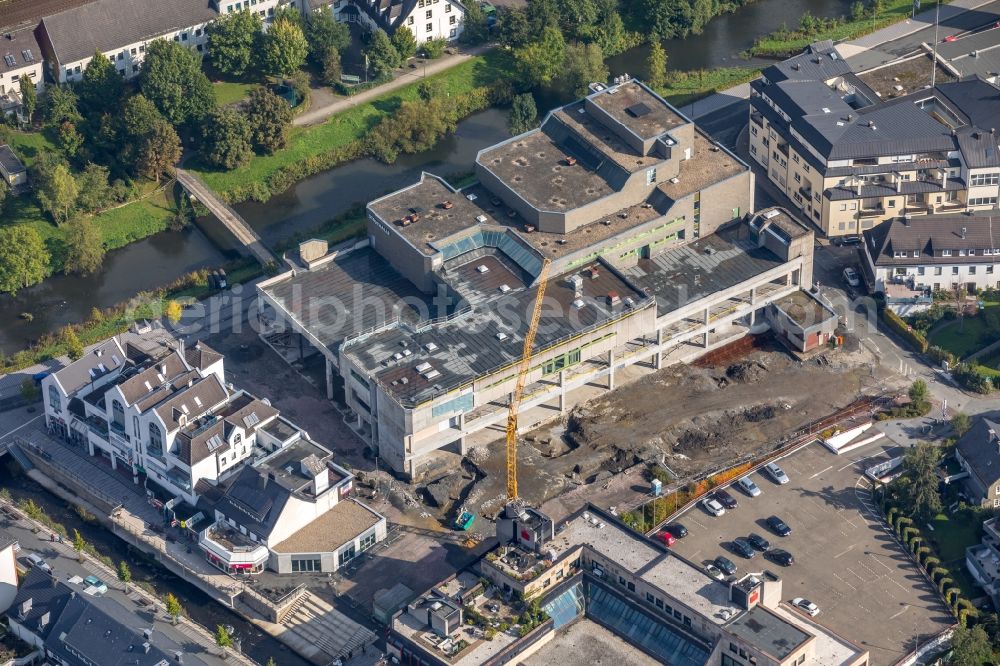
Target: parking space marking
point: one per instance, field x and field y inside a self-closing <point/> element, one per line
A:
<point x="841" y="579"/>
<point x="905" y="608"/>
<point x="820" y="472"/>
<point x="844" y="552"/>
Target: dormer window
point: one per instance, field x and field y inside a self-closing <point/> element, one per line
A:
<point x="945" y="253"/>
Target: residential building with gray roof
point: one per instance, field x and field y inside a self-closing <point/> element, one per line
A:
<point x="852" y="150"/>
<point x="643" y="221"/>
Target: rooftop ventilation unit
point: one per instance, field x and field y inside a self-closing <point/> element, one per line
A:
<point x="772" y="213"/>
<point x="423" y="367"/>
<point x="482" y="268"/>
<point x="504" y="289"/>
<point x="447" y="205"/>
<point x="578" y="303"/>
<point x="407" y="352"/>
<point x="431" y="347"/>
<point x="501" y="336"/>
<point x="481" y="219"/>
<point x="431" y="374"/>
<point x="675" y="180"/>
<point x="397" y="356"/>
<point x="638" y="110"/>
<point x="404" y="380"/>
<point x="471" y="196"/>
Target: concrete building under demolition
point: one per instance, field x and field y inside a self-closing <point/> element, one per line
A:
<point x="653" y="258"/>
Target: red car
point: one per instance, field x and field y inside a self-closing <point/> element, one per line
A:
<point x="667" y="538"/>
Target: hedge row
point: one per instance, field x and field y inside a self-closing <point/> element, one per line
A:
<point x="903" y="330"/>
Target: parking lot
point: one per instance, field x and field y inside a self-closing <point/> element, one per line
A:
<point x="867" y="588"/>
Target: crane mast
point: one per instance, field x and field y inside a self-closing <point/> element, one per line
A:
<point x="522" y="374"/>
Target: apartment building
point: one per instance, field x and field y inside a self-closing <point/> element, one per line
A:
<point x="426" y="19"/>
<point x="978" y="453"/>
<point x="258" y="491"/>
<point x="653" y="257"/>
<point x="851" y="157"/>
<point x="592" y="568"/>
<point x="910" y="258"/>
<point x="122" y="30"/>
<point x="20" y="55"/>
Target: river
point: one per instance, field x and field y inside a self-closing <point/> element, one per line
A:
<point x="162" y="258"/>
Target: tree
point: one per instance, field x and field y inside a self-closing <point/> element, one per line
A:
<point x="857" y="10"/>
<point x="231" y="41"/>
<point x="24" y="260"/>
<point x="428" y="89"/>
<point x="271" y="662"/>
<point x="173" y="310"/>
<point x="325" y="35"/>
<point x="970" y="647"/>
<point x="433" y="48"/>
<point x="405" y="43"/>
<point x="523" y="114"/>
<point x="70" y="140"/>
<point x="919" y="393"/>
<point x="174" y="608"/>
<point x="582" y="65"/>
<point x="29" y="391"/>
<point x="173" y="81"/>
<point x="29" y="97"/>
<point x="577" y="17"/>
<point x="539" y="62"/>
<point x="920" y="463"/>
<point x="223" y="639"/>
<point x="332" y="69"/>
<point x="284" y="48"/>
<point x="139" y="116"/>
<point x="4" y="191"/>
<point x="382" y="55"/>
<point x="664" y="19"/>
<point x="270" y="117"/>
<point x="159" y="151"/>
<point x="474" y="27"/>
<point x="79" y="544"/>
<point x="226" y="139"/>
<point x="609" y="31"/>
<point x="74" y="350"/>
<point x="124" y="574"/>
<point x="512" y="27"/>
<point x="56" y="191"/>
<point x="961" y="423"/>
<point x="102" y="87"/>
<point x="94" y="191"/>
<point x="542" y="14"/>
<point x="60" y="105"/>
<point x="656" y="65"/>
<point x="85" y="249"/>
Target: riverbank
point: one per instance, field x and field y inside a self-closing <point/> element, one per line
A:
<point x="683" y="88"/>
<point x="781" y="44"/>
<point x="340" y="139"/>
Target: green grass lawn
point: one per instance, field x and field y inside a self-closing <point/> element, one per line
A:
<point x="353" y="124"/>
<point x="953" y="534"/>
<point x="964" y="336"/>
<point x="27" y="145"/>
<point x="771" y="45"/>
<point x="230" y="92"/>
<point x="686" y="87"/>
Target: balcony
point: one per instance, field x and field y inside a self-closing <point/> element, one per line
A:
<point x="871" y="212"/>
<point x="231" y="550"/>
<point x="95" y="425"/>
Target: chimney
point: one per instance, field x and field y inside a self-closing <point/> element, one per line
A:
<point x="899" y="185"/>
<point x="964" y="231"/>
<point x="43" y="621"/>
<point x="24" y="608"/>
<point x="179" y="657"/>
<point x="145" y="647"/>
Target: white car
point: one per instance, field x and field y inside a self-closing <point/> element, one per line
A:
<point x="713" y="507"/>
<point x="776" y="473"/>
<point x="714" y="571"/>
<point x="806" y="606"/>
<point x="851" y="277"/>
<point x="747" y="485"/>
<point x="37" y="562"/>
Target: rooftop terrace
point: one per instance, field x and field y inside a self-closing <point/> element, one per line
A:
<point x="693" y="586"/>
<point x="284" y="466"/>
<point x="602" y="138"/>
<point x="613" y="540"/>
<point x="803" y="309"/>
<point x="768" y="632"/>
<point x="709" y="164"/>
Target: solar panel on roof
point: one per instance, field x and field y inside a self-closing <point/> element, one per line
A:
<point x="214" y="442"/>
<point x="251" y="419"/>
<point x="638" y="110"/>
<point x="9" y="59"/>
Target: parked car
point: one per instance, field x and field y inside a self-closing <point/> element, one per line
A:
<point x="713" y="507"/>
<point x="747" y="485"/>
<point x="847" y="241"/>
<point x="806" y="606"/>
<point x="714" y="572"/>
<point x="667" y="538"/>
<point x="35" y="561"/>
<point x="742" y="547"/>
<point x="95" y="582"/>
<point x="758" y="542"/>
<point x="677" y="530"/>
<point x="851" y="277"/>
<point x="778" y="526"/>
<point x="725" y="499"/>
<point x="776" y="473"/>
<point x="779" y="556"/>
<point x="725" y="565"/>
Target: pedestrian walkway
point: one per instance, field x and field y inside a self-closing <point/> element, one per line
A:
<point x="319" y="114"/>
<point x="327" y="628"/>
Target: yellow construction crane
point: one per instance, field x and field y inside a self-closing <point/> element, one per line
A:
<point x="522" y="374"/>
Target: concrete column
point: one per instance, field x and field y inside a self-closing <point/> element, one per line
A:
<point x="611" y="369"/>
<point x="114" y="460"/>
<point x="562" y="391"/>
<point x="708" y="315"/>
<point x="90" y="447"/>
<point x="705" y="341"/>
<point x="461" y="426"/>
<point x="329" y="378"/>
<point x="753" y="295"/>
<point x="658" y="356"/>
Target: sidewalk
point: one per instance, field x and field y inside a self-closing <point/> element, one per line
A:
<point x="318" y="115"/>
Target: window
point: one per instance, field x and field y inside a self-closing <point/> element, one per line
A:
<point x="945" y="253"/>
<point x="843" y="206"/>
<point x="55" y="400"/>
<point x="649" y="597"/>
<point x="920" y="270"/>
<point x="76" y="70"/>
<point x="631" y="586"/>
<point x="427" y="14"/>
<point x="916" y="254"/>
<point x="184" y="36"/>
<point x="979" y="179"/>
<point x="805" y="167"/>
<point x="972" y="270"/>
<point x="409" y="21"/>
<point x="155" y="440"/>
<point x="621" y="580"/>
<point x="954" y="270"/>
<point x="989" y="270"/>
<point x="447" y="8"/>
<point x="451" y="20"/>
<point x="983" y="201"/>
<point x="892" y="203"/>
<point x="429" y="27"/>
<point x="795" y="157"/>
<point x="132" y="52"/>
<point x="142" y="48"/>
<point x="798" y="178"/>
<point x="561" y="362"/>
<point x="346" y="555"/>
<point x="69" y="73"/>
<point x="962" y="253"/>
<point x="937" y="270"/>
<point x="659" y="603"/>
<point x="367" y="542"/>
<point x="306" y="565"/>
<point x="197" y="33"/>
<point x="118" y="414"/>
<point x="753" y="130"/>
